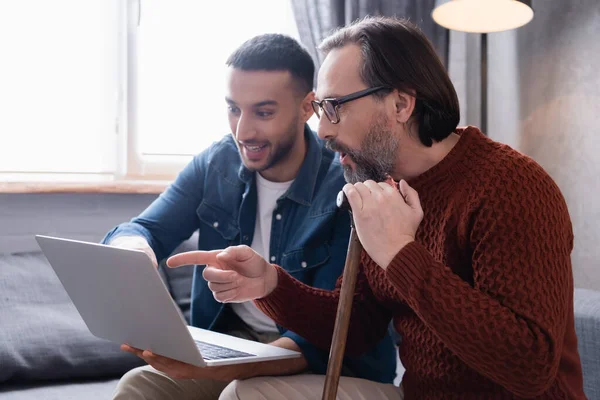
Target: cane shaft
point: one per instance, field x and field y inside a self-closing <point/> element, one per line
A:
<point x="342" y="319"/>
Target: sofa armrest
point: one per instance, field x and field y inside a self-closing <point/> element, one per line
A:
<point x="587" y="325"/>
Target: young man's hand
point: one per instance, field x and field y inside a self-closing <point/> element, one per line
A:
<point x="234" y="275"/>
<point x="180" y="370"/>
<point x="135" y="243"/>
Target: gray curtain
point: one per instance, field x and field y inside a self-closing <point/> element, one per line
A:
<point x="317" y="18"/>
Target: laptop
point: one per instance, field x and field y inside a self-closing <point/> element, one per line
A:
<point x="121" y="298"/>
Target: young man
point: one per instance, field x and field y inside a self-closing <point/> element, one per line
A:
<point x="470" y="257"/>
<point x="270" y="185"/>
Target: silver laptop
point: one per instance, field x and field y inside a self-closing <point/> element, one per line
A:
<point x="121" y="297"/>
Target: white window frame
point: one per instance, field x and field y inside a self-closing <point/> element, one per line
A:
<point x="18" y="176"/>
<point x="131" y="163"/>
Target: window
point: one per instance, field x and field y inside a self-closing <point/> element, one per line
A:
<point x="182" y="46"/>
<point x="58" y="80"/>
<point x="120" y="88"/>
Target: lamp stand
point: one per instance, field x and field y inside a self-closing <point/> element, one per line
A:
<point x="484" y="83"/>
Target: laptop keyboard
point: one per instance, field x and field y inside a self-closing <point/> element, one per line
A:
<point x="213" y="352"/>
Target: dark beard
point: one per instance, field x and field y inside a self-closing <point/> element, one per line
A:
<point x="284" y="148"/>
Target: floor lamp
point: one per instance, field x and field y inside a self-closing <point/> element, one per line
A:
<point x="482" y="16"/>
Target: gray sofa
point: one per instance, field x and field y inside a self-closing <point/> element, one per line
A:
<point x="46" y="351"/>
<point x="587" y="325"/>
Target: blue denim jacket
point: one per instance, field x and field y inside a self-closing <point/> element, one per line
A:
<point x="216" y="195"/>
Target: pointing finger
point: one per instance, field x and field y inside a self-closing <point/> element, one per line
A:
<point x="193" y="257"/>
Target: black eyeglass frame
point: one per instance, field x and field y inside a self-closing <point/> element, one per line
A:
<point x="335" y="102"/>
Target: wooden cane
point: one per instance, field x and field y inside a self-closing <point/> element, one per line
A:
<point x="342" y="319"/>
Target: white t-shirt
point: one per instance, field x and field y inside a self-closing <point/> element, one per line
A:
<point x="267" y="192"/>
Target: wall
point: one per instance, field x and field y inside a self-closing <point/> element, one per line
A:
<point x="75" y="216"/>
<point x="544" y="97"/>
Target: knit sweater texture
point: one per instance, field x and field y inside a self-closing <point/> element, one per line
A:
<point x="483" y="298"/>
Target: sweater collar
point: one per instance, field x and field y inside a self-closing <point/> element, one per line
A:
<point x="446" y="167"/>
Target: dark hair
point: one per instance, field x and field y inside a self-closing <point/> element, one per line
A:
<point x="397" y="54"/>
<point x="275" y="52"/>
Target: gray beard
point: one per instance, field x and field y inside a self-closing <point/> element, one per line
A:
<point x="376" y="159"/>
<point x="362" y="173"/>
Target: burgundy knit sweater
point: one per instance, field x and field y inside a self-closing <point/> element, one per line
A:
<point x="483" y="298"/>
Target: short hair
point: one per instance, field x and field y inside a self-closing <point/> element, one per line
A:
<point x="276" y="52"/>
<point x="398" y="55"/>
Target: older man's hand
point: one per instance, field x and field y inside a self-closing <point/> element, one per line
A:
<point x="386" y="219"/>
<point x="234" y="275"/>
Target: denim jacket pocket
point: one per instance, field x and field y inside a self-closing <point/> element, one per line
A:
<point x="218" y="219"/>
<point x="305" y="258"/>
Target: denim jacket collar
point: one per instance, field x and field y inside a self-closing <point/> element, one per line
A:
<point x="303" y="188"/>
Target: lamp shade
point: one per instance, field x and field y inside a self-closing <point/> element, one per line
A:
<point x="482" y="16"/>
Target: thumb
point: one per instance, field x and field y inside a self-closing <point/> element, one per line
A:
<point x="239" y="258"/>
<point x="411" y="197"/>
<point x="236" y="254"/>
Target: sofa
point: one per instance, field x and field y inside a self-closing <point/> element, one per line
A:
<point x="46" y="351"/>
<point x="587" y="325"/>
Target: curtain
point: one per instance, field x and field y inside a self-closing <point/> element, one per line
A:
<point x="317" y="18"/>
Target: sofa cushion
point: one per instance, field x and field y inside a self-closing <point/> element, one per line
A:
<point x="43" y="336"/>
<point x="587" y="325"/>
<point x="77" y="390"/>
<point x="179" y="280"/>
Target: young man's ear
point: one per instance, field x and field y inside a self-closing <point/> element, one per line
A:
<point x="307" y="110"/>
<point x="404" y="106"/>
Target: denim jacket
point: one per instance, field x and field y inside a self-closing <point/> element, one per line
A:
<point x="216" y="194"/>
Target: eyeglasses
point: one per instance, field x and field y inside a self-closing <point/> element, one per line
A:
<point x="329" y="107"/>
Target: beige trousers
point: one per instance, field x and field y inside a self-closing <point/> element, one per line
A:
<point x="308" y="387"/>
<point x="150" y="384"/>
